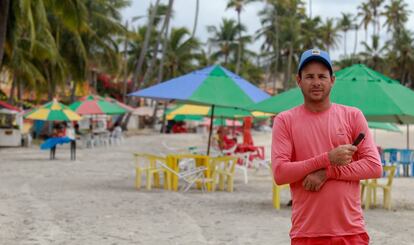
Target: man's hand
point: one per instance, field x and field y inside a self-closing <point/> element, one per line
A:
<point x="314" y="181"/>
<point x="342" y="155"/>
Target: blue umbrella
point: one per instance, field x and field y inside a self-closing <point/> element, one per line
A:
<point x="213" y="85"/>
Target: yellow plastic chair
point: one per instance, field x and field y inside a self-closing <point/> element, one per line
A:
<point x="276" y="191"/>
<point x="148" y="164"/>
<point x="225" y="166"/>
<point x="211" y="180"/>
<point x="371" y="189"/>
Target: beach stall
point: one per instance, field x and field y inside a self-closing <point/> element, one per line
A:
<point x="10" y="125"/>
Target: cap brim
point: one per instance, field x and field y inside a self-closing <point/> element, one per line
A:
<point x="315" y="58"/>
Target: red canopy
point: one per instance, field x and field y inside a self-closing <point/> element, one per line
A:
<point x="8" y="106"/>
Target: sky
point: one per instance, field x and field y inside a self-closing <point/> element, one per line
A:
<point x="212" y="12"/>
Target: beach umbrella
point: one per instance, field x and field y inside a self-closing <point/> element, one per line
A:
<point x="384" y="126"/>
<point x="380" y="98"/>
<point x="212" y="86"/>
<point x="53" y="111"/>
<point x="96" y="105"/>
<point x="123" y="105"/>
<point x="7" y="108"/>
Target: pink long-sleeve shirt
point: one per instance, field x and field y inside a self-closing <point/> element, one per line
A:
<point x="301" y="141"/>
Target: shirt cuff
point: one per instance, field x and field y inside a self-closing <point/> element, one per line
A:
<point x="322" y="161"/>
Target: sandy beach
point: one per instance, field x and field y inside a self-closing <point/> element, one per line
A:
<point x="93" y="201"/>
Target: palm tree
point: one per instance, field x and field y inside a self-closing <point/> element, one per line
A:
<point x="182" y="50"/>
<point x="375" y="5"/>
<point x="196" y="18"/>
<point x="163" y="31"/>
<point x="396" y="15"/>
<point x="373" y="53"/>
<point x="310" y="32"/>
<point x="238" y="6"/>
<point x="329" y="34"/>
<point x="224" y="38"/>
<point x="4" y="12"/>
<point x="366" y="16"/>
<point x="345" y="24"/>
<point x="138" y="68"/>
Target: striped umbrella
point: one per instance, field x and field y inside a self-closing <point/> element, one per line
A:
<point x="53" y="111"/>
<point x="125" y="106"/>
<point x="96" y="105"/>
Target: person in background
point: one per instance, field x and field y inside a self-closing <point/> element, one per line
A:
<point x="313" y="151"/>
<point x="70" y="133"/>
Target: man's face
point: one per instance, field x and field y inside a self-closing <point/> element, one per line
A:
<point x="315" y="82"/>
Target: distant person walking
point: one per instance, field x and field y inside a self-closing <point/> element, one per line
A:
<point x="71" y="134"/>
<point x="312" y="151"/>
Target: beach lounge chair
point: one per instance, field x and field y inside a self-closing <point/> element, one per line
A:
<point x="370" y="186"/>
<point x="151" y="166"/>
<point x="243" y="165"/>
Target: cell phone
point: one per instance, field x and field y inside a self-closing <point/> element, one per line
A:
<point x="358" y="139"/>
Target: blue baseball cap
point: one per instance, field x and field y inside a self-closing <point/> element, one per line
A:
<point x="315" y="54"/>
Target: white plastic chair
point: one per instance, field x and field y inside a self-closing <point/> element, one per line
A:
<point x="244" y="158"/>
<point x="117" y="136"/>
<point x="189" y="176"/>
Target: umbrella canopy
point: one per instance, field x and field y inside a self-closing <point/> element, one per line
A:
<point x="213" y="85"/>
<point x="384" y="126"/>
<point x="53" y="111"/>
<point x="125" y="106"/>
<point x="380" y="98"/>
<point x="96" y="105"/>
<point x="8" y="107"/>
<point x="199" y="110"/>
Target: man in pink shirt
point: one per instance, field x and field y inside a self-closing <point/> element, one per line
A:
<point x="312" y="151"/>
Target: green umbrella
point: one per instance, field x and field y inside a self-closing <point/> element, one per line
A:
<point x="380" y="98"/>
<point x="93" y="105"/>
<point x="212" y="86"/>
<point x="384" y="126"/>
<point x="53" y="111"/>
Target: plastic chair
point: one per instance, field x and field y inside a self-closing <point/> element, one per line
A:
<point x="371" y="188"/>
<point x="214" y="168"/>
<point x="189" y="176"/>
<point x="147" y="163"/>
<point x="406" y="159"/>
<point x="117" y="136"/>
<point x="225" y="171"/>
<point x="244" y="165"/>
<point x="276" y="190"/>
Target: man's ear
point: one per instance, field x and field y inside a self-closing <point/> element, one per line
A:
<point x="333" y="78"/>
<point x="298" y="80"/>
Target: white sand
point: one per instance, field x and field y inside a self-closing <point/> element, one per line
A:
<point x="93" y="201"/>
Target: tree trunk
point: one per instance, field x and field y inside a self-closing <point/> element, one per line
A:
<point x="345" y="44"/>
<point x="164" y="29"/>
<point x="4" y="13"/>
<point x="125" y="87"/>
<point x="138" y="69"/>
<point x="356" y="41"/>
<point x="19" y="92"/>
<point x="275" y="72"/>
<point x="196" y="18"/>
<point x="164" y="52"/>
<point x="239" y="46"/>
<point x="11" y="97"/>
<point x="289" y="66"/>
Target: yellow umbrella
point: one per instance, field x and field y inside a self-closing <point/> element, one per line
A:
<point x="53" y="111"/>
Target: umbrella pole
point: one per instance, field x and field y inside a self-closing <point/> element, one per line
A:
<point x="211" y="130"/>
<point x="408" y="136"/>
